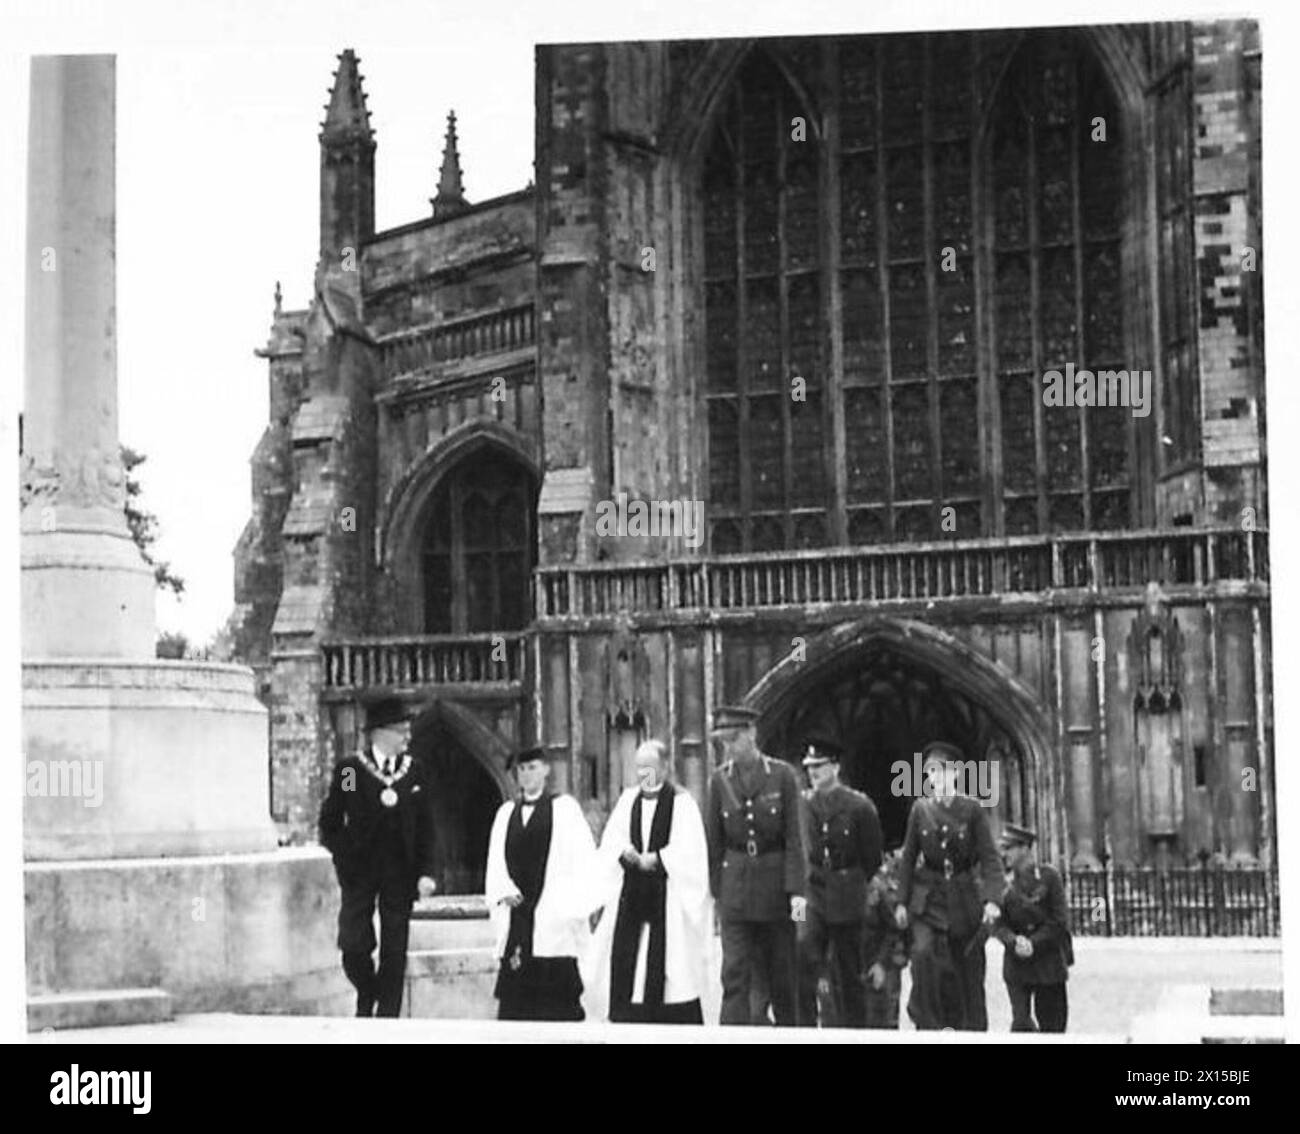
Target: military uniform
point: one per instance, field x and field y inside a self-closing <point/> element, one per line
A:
<point x="842" y="834"/>
<point x="948" y="870"/>
<point x="756" y="863"/>
<point x="883" y="944"/>
<point x="1033" y="906"/>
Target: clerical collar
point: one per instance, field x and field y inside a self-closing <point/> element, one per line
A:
<point x="526" y="802"/>
<point x="651" y="793"/>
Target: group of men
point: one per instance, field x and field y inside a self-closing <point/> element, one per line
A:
<point x="816" y="923"/>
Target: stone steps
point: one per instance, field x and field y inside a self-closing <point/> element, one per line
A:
<point x="455" y="922"/>
<point x="97" y="1008"/>
<point x="1195" y="1013"/>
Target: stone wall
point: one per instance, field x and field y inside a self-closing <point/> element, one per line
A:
<point x="1229" y="264"/>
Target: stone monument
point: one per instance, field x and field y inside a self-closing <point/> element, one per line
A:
<point x="151" y="859"/>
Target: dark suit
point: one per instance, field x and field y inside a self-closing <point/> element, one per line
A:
<point x="843" y="838"/>
<point x="756" y="863"/>
<point x="1033" y="906"/>
<point x="379" y="855"/>
<point x="948" y="869"/>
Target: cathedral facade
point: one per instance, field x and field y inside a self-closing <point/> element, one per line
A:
<point x="748" y="400"/>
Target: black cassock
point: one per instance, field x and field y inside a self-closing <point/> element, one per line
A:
<point x="528" y="987"/>
<point x="643" y="903"/>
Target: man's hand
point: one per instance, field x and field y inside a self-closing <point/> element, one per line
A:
<point x="1024" y="947"/>
<point x="629" y="856"/>
<point x="427" y="886"/>
<point x="513" y="899"/>
<point x="991" y="912"/>
<point x="877" y="975"/>
<point x="900" y="916"/>
<point x="648" y="861"/>
<point x="798" y="908"/>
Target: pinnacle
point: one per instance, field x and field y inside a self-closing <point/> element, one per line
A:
<point x="450" y="198"/>
<point x="346" y="114"/>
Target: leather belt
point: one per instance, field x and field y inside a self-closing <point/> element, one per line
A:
<point x="751" y="848"/>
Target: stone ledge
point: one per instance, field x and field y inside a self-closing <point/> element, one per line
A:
<point x="451" y="907"/>
<point x="153" y="674"/>
<point x="103" y="1008"/>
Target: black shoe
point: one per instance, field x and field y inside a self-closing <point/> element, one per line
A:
<point x="365" y="1006"/>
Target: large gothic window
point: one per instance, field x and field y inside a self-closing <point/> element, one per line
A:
<point x="766" y="373"/>
<point x="479" y="547"/>
<point x="919" y="322"/>
<point x="1058" y="189"/>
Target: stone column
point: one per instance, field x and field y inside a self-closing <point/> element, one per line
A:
<point x="86" y="591"/>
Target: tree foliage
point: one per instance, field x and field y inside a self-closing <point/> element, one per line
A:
<point x="144" y="525"/>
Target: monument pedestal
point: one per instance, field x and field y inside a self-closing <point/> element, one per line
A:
<point x="132" y="758"/>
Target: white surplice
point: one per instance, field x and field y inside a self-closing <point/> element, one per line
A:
<point x="561" y="926"/>
<point x="687" y="905"/>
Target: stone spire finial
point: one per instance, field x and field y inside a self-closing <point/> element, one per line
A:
<point x="346" y="114"/>
<point x="279" y="299"/>
<point x="450" y="198"/>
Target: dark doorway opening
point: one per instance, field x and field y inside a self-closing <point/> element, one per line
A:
<point x="883" y="706"/>
<point x="465" y="799"/>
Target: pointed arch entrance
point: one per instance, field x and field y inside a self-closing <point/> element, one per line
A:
<point x="883" y="688"/>
<point x="466" y="764"/>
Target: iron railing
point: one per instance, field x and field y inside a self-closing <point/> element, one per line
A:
<point x="1190" y="901"/>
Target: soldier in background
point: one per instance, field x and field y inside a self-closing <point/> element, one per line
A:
<point x="843" y="838"/>
<point x="1034" y="927"/>
<point x="949" y="883"/>
<point x="756" y="868"/>
<point x="884" y="947"/>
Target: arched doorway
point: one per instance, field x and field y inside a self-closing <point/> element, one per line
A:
<point x="467" y="789"/>
<point x="885" y="688"/>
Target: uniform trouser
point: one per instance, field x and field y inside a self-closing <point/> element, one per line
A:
<point x="769" y="946"/>
<point x="1047" y="1002"/>
<point x="822" y="946"/>
<point x="394" y="894"/>
<point x="947" y="980"/>
<point x="882" y="1002"/>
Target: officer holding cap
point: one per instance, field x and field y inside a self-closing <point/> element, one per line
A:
<point x="949" y="883"/>
<point x="756" y="867"/>
<point x="843" y="837"/>
<point x="1034" y="927"/>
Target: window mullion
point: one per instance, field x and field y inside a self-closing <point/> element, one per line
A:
<point x="882" y="274"/>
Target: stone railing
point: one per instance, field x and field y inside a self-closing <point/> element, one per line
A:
<point x="410" y="352"/>
<point x="919" y="572"/>
<point x="424" y="660"/>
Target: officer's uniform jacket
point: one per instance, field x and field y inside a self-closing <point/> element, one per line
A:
<point x="756" y="855"/>
<point x="1033" y="906"/>
<point x="949" y="865"/>
<point x="843" y="838"/>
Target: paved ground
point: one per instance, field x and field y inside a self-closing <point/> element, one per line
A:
<point x="1112" y="982"/>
